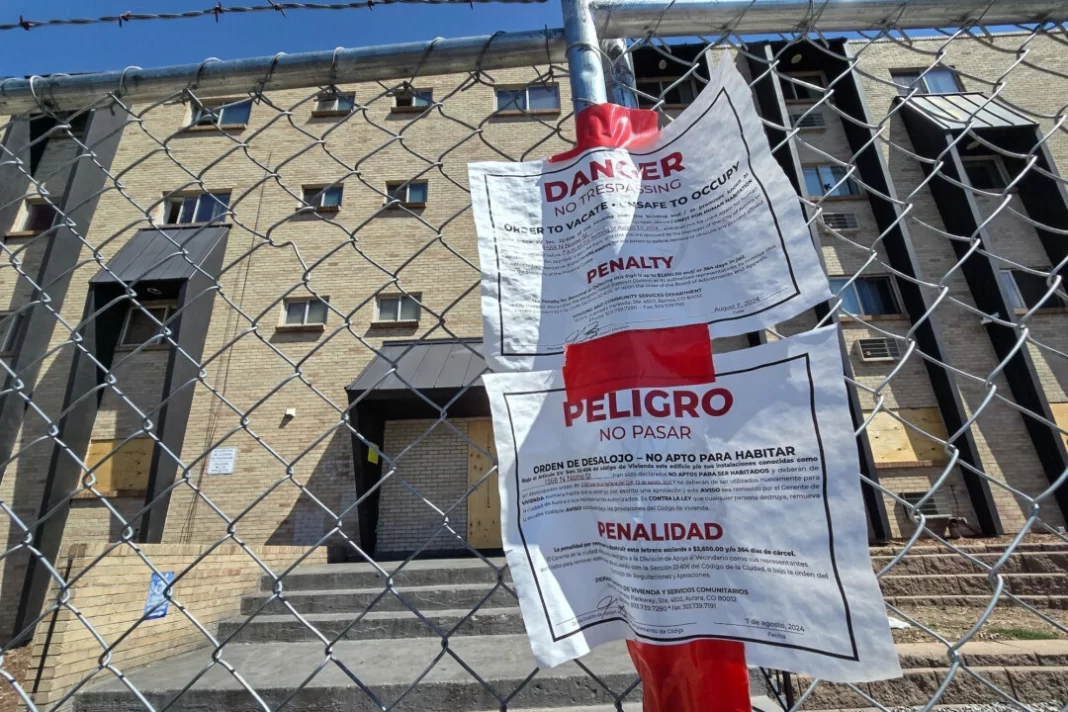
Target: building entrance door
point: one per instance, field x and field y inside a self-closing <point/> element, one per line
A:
<point x="484" y="504"/>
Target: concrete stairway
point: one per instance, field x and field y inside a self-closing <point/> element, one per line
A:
<point x="386" y="650"/>
<point x="390" y="646"/>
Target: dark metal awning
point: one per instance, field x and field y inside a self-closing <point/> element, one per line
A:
<point x="952" y="112"/>
<point x="406" y="374"/>
<point x="162" y="254"/>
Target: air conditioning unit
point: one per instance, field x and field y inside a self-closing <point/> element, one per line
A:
<point x="880" y="349"/>
<point x="841" y="221"/>
<point x="930" y="508"/>
<point x="815" y="120"/>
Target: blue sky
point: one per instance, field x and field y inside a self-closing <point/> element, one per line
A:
<point x="160" y="42"/>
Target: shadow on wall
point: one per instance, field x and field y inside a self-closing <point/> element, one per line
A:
<point x="34" y="465"/>
<point x="333" y="483"/>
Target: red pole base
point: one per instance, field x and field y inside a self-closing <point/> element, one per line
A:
<point x="700" y="676"/>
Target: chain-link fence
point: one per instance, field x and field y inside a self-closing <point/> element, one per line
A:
<point x="247" y="460"/>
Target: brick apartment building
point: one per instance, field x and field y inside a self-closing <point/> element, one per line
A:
<point x="339" y="224"/>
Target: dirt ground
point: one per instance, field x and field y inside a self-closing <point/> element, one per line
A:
<point x="1005" y="623"/>
<point x="16" y="663"/>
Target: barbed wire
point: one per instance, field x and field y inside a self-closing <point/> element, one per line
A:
<point x="219" y="10"/>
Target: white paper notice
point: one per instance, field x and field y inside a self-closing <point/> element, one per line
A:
<point x="700" y="225"/>
<point x="730" y="509"/>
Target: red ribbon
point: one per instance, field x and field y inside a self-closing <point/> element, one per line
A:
<point x="706" y="675"/>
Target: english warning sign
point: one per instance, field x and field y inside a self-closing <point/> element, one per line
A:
<point x="700" y="225"/>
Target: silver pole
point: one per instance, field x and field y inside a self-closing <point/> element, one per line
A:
<point x="285" y="71"/>
<point x="619" y="73"/>
<point x="636" y="18"/>
<point x="583" y="55"/>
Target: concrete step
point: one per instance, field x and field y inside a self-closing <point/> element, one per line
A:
<point x="972" y="584"/>
<point x="972" y="546"/>
<point x="353" y="601"/>
<point x="378" y="625"/>
<point x="387" y="668"/>
<point x="952" y="564"/>
<point x="423" y="572"/>
<point x="978" y="601"/>
<point x="917" y="685"/>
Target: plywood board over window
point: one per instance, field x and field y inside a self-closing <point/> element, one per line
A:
<point x="894" y="445"/>
<point x="484" y="503"/>
<point x="1060" y="417"/>
<point x="122" y="474"/>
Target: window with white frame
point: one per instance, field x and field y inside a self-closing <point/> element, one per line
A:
<point x="794" y="87"/>
<point x="410" y="194"/>
<point x="221" y="113"/>
<point x="1024" y="290"/>
<point x="866" y="296"/>
<point x="9" y="324"/>
<point x="830" y="181"/>
<point x="145" y="323"/>
<point x="940" y="80"/>
<point x="325" y="199"/>
<point x="38" y="215"/>
<point x="985" y="172"/>
<point x="412" y="99"/>
<point x="674" y="92"/>
<point x="532" y="99"/>
<point x="398" y="307"/>
<point x="195" y="208"/>
<point x="335" y="103"/>
<point x="878" y="349"/>
<point x="305" y="311"/>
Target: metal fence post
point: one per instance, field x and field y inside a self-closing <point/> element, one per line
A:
<point x="583" y="55"/>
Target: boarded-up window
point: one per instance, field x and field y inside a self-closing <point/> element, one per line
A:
<point x="124" y="473"/>
<point x="1060" y="417"/>
<point x="895" y="445"/>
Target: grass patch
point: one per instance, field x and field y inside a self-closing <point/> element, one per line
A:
<point x="1023" y="634"/>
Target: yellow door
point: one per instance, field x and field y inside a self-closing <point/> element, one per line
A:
<point x="484" y="504"/>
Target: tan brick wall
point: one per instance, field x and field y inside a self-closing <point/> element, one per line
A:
<point x="434" y="470"/>
<point x="1005" y="449"/>
<point x="110" y="594"/>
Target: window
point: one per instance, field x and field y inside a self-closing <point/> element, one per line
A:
<point x="826" y="181"/>
<point x="398" y="308"/>
<point x="141" y="325"/>
<point x="813" y="120"/>
<point x="682" y="94"/>
<point x="76" y="122"/>
<point x="199" y="208"/>
<point x="335" y="103"/>
<point x="542" y="98"/>
<point x="409" y="194"/>
<point x="412" y="99"/>
<point x="985" y="172"/>
<point x="232" y="113"/>
<point x="38" y="216"/>
<point x="840" y="221"/>
<point x="866" y="296"/>
<point x="937" y="81"/>
<point x="930" y="508"/>
<point x="793" y="92"/>
<point x="310" y="311"/>
<point x="1024" y="290"/>
<point x="324" y="200"/>
<point x="880" y="349"/>
<point x="9" y="325"/>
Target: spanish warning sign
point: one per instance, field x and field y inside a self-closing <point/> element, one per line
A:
<point x="730" y="509"/>
<point x="701" y="225"/>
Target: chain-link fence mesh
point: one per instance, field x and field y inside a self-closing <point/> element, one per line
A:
<point x="242" y="359"/>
